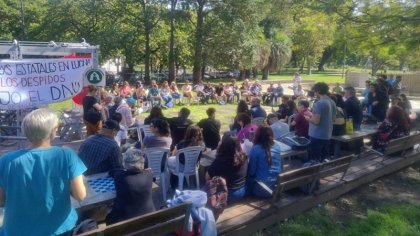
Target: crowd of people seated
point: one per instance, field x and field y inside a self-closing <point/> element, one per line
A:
<point x="42" y="177"/>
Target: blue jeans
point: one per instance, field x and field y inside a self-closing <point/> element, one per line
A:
<point x="318" y="149"/>
<point x="236" y="194"/>
<point x="167" y="99"/>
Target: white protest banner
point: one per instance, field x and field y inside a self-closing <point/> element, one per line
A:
<point x="29" y="83"/>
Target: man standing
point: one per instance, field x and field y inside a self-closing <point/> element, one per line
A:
<point x="100" y="152"/>
<point x="353" y="107"/>
<point x="321" y="122"/>
<point x="211" y="129"/>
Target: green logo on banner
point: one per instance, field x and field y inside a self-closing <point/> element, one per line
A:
<point x="94" y="76"/>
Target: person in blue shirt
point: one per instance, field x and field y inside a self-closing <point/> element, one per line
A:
<point x="264" y="163"/>
<point x="36" y="183"/>
<point x="256" y="109"/>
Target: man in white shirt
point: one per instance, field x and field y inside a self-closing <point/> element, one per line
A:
<point x="280" y="129"/>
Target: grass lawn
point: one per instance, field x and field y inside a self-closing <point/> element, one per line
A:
<point x="388" y="220"/>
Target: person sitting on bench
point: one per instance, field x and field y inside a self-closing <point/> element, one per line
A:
<point x="264" y="163"/>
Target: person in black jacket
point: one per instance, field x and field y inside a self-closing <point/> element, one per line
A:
<point x="378" y="102"/>
<point x="353" y="107"/>
<point x="211" y="129"/>
<point x="134" y="189"/>
<point x="179" y="125"/>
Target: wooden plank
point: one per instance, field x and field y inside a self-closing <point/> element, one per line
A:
<point x="249" y="223"/>
<point x="146" y="221"/>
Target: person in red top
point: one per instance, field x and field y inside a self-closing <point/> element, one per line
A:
<point x="300" y="124"/>
<point x="125" y="91"/>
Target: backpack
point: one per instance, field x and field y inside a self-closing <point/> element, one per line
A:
<point x="296" y="142"/>
<point x="217" y="194"/>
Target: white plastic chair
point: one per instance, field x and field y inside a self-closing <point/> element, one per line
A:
<point x="154" y="159"/>
<point x="143" y="129"/>
<point x="190" y="166"/>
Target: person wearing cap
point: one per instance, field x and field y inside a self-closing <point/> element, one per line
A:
<point x="100" y="152"/>
<point x="36" y="183"/>
<point x="134" y="189"/>
<point x="125" y="109"/>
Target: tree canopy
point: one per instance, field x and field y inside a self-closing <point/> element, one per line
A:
<point x="203" y="35"/>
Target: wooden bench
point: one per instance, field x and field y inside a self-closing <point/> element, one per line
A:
<point x="400" y="145"/>
<point x="159" y="222"/>
<point x="310" y="175"/>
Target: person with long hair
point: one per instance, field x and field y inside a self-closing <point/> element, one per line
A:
<point x="187" y="91"/>
<point x="230" y="163"/>
<point x="247" y="128"/>
<point x="91" y="111"/>
<point x="193" y="137"/>
<point x="155" y="113"/>
<point x="125" y="90"/>
<point x="395" y="125"/>
<point x="174" y="91"/>
<point x="241" y="108"/>
<point x="165" y="93"/>
<point x="264" y="162"/>
<point x="140" y="93"/>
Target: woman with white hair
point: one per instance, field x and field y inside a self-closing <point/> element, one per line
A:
<point x="134" y="189"/>
<point x="36" y="183"/>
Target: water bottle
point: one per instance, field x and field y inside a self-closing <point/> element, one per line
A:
<point x="349" y="126"/>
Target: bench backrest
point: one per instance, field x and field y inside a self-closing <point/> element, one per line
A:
<point x="310" y="175"/>
<point x="296" y="178"/>
<point x="337" y="166"/>
<point x="415" y="139"/>
<point x="159" y="222"/>
<point x="397" y="145"/>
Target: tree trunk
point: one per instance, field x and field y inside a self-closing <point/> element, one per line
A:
<point x="254" y="73"/>
<point x="242" y="74"/>
<point x="171" y="60"/>
<point x="302" y="65"/>
<point x="326" y="55"/>
<point x="198" y="44"/>
<point x="309" y="67"/>
<point x="266" y="72"/>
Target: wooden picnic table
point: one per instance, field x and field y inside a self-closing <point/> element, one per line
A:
<point x="365" y="131"/>
<point x="100" y="190"/>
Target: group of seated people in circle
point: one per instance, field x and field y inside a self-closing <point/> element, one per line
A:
<point x="42" y="178"/>
<point x="221" y="93"/>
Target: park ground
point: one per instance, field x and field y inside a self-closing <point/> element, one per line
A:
<point x="387" y="206"/>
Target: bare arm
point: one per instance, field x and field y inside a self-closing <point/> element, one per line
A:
<point x="97" y="106"/>
<point x="315" y="119"/>
<point x="78" y="189"/>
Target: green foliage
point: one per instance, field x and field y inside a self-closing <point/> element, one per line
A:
<point x="241" y="34"/>
<point x="389" y="220"/>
